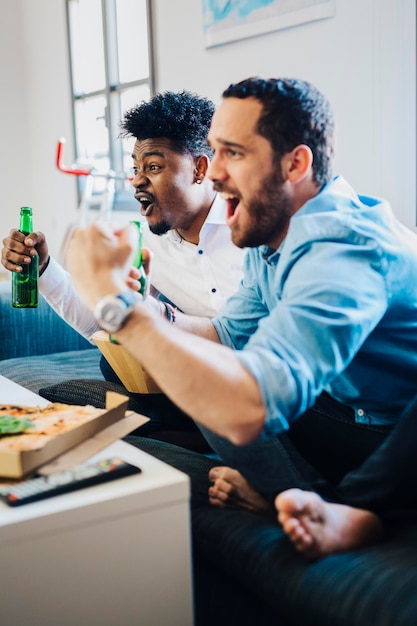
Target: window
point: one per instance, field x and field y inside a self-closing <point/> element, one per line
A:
<point x="111" y="69"/>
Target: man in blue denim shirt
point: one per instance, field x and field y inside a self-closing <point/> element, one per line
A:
<point x="342" y="290"/>
<point x="313" y="359"/>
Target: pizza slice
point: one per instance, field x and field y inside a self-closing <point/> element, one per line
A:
<point x="29" y="428"/>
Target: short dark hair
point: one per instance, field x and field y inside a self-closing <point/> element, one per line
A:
<point x="183" y="117"/>
<point x="294" y="112"/>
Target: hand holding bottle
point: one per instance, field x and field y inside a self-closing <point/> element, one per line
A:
<point x="19" y="248"/>
<point x="25" y="280"/>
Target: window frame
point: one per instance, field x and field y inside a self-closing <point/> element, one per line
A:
<point x="112" y="91"/>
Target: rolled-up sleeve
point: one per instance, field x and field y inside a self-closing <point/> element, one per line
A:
<point x="328" y="297"/>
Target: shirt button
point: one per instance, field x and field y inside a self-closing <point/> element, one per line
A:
<point x="361" y="412"/>
<point x="200" y="252"/>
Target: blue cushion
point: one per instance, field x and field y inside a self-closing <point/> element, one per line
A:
<point x="29" y="332"/>
<point x="35" y="372"/>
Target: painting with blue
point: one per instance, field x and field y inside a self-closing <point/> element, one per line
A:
<point x="239" y="9"/>
<point x="229" y="20"/>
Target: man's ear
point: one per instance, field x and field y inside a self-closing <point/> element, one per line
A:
<point x="298" y="163"/>
<point x="201" y="167"/>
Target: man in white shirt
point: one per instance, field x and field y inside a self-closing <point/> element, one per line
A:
<point x="195" y="265"/>
<point x="197" y="278"/>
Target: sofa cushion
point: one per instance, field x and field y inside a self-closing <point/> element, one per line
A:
<point x="29" y="332"/>
<point x="36" y="372"/>
<point x="85" y="391"/>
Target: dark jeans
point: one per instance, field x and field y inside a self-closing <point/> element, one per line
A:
<point x="320" y="448"/>
<point x="325" y="450"/>
<point x="374" y="468"/>
<point x="387" y="481"/>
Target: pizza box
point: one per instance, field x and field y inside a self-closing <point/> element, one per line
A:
<point x="17" y="463"/>
<point x="127" y="368"/>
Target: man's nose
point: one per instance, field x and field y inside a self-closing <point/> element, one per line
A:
<point x="216" y="170"/>
<point x="139" y="180"/>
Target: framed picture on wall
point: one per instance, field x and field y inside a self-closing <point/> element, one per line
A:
<point x="230" y="20"/>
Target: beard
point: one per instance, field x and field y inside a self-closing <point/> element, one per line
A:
<point x="268" y="216"/>
<point x="160" y="228"/>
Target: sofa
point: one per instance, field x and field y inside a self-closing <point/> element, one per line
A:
<point x="38" y="348"/>
<point x="245" y="570"/>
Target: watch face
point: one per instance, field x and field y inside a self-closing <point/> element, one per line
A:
<point x="112" y="311"/>
<point x="113" y="315"/>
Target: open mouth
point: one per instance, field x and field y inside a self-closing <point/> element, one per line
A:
<point x="232" y="203"/>
<point x="146" y="203"/>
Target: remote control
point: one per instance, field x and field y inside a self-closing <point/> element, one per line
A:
<point x="62" y="482"/>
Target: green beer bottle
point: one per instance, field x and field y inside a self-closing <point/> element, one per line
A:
<point x="25" y="283"/>
<point x="137" y="262"/>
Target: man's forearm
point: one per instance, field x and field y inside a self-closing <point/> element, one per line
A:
<point x="193" y="371"/>
<point x="56" y="287"/>
<point x="196" y="325"/>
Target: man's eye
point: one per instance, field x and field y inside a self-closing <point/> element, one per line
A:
<point x="154" y="167"/>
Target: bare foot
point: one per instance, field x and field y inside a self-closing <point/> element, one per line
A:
<point x="318" y="528"/>
<point x="231" y="490"/>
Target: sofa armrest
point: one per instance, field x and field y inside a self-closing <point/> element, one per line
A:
<point x="30" y="332"/>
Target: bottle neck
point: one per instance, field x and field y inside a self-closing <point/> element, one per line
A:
<point x="137" y="261"/>
<point x="26" y="225"/>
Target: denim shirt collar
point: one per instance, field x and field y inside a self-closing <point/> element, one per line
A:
<point x="271" y="255"/>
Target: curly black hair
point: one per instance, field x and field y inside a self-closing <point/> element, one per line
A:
<point x="294" y="113"/>
<point x="183" y="117"/>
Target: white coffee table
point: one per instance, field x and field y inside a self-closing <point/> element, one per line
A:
<point x="114" y="554"/>
<point x="12" y="392"/>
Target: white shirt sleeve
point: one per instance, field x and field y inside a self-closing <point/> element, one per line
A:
<point x="57" y="289"/>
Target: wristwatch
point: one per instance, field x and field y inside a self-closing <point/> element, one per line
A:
<point x="112" y="311"/>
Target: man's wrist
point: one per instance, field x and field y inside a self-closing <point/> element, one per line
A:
<point x="44" y="266"/>
<point x="166" y="310"/>
<point x="113" y="310"/>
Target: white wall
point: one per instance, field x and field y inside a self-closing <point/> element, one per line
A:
<point x="13" y="121"/>
<point x="36" y="112"/>
<point x="363" y="58"/>
<point x="48" y="97"/>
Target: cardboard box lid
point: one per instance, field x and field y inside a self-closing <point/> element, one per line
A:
<point x="94" y="444"/>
